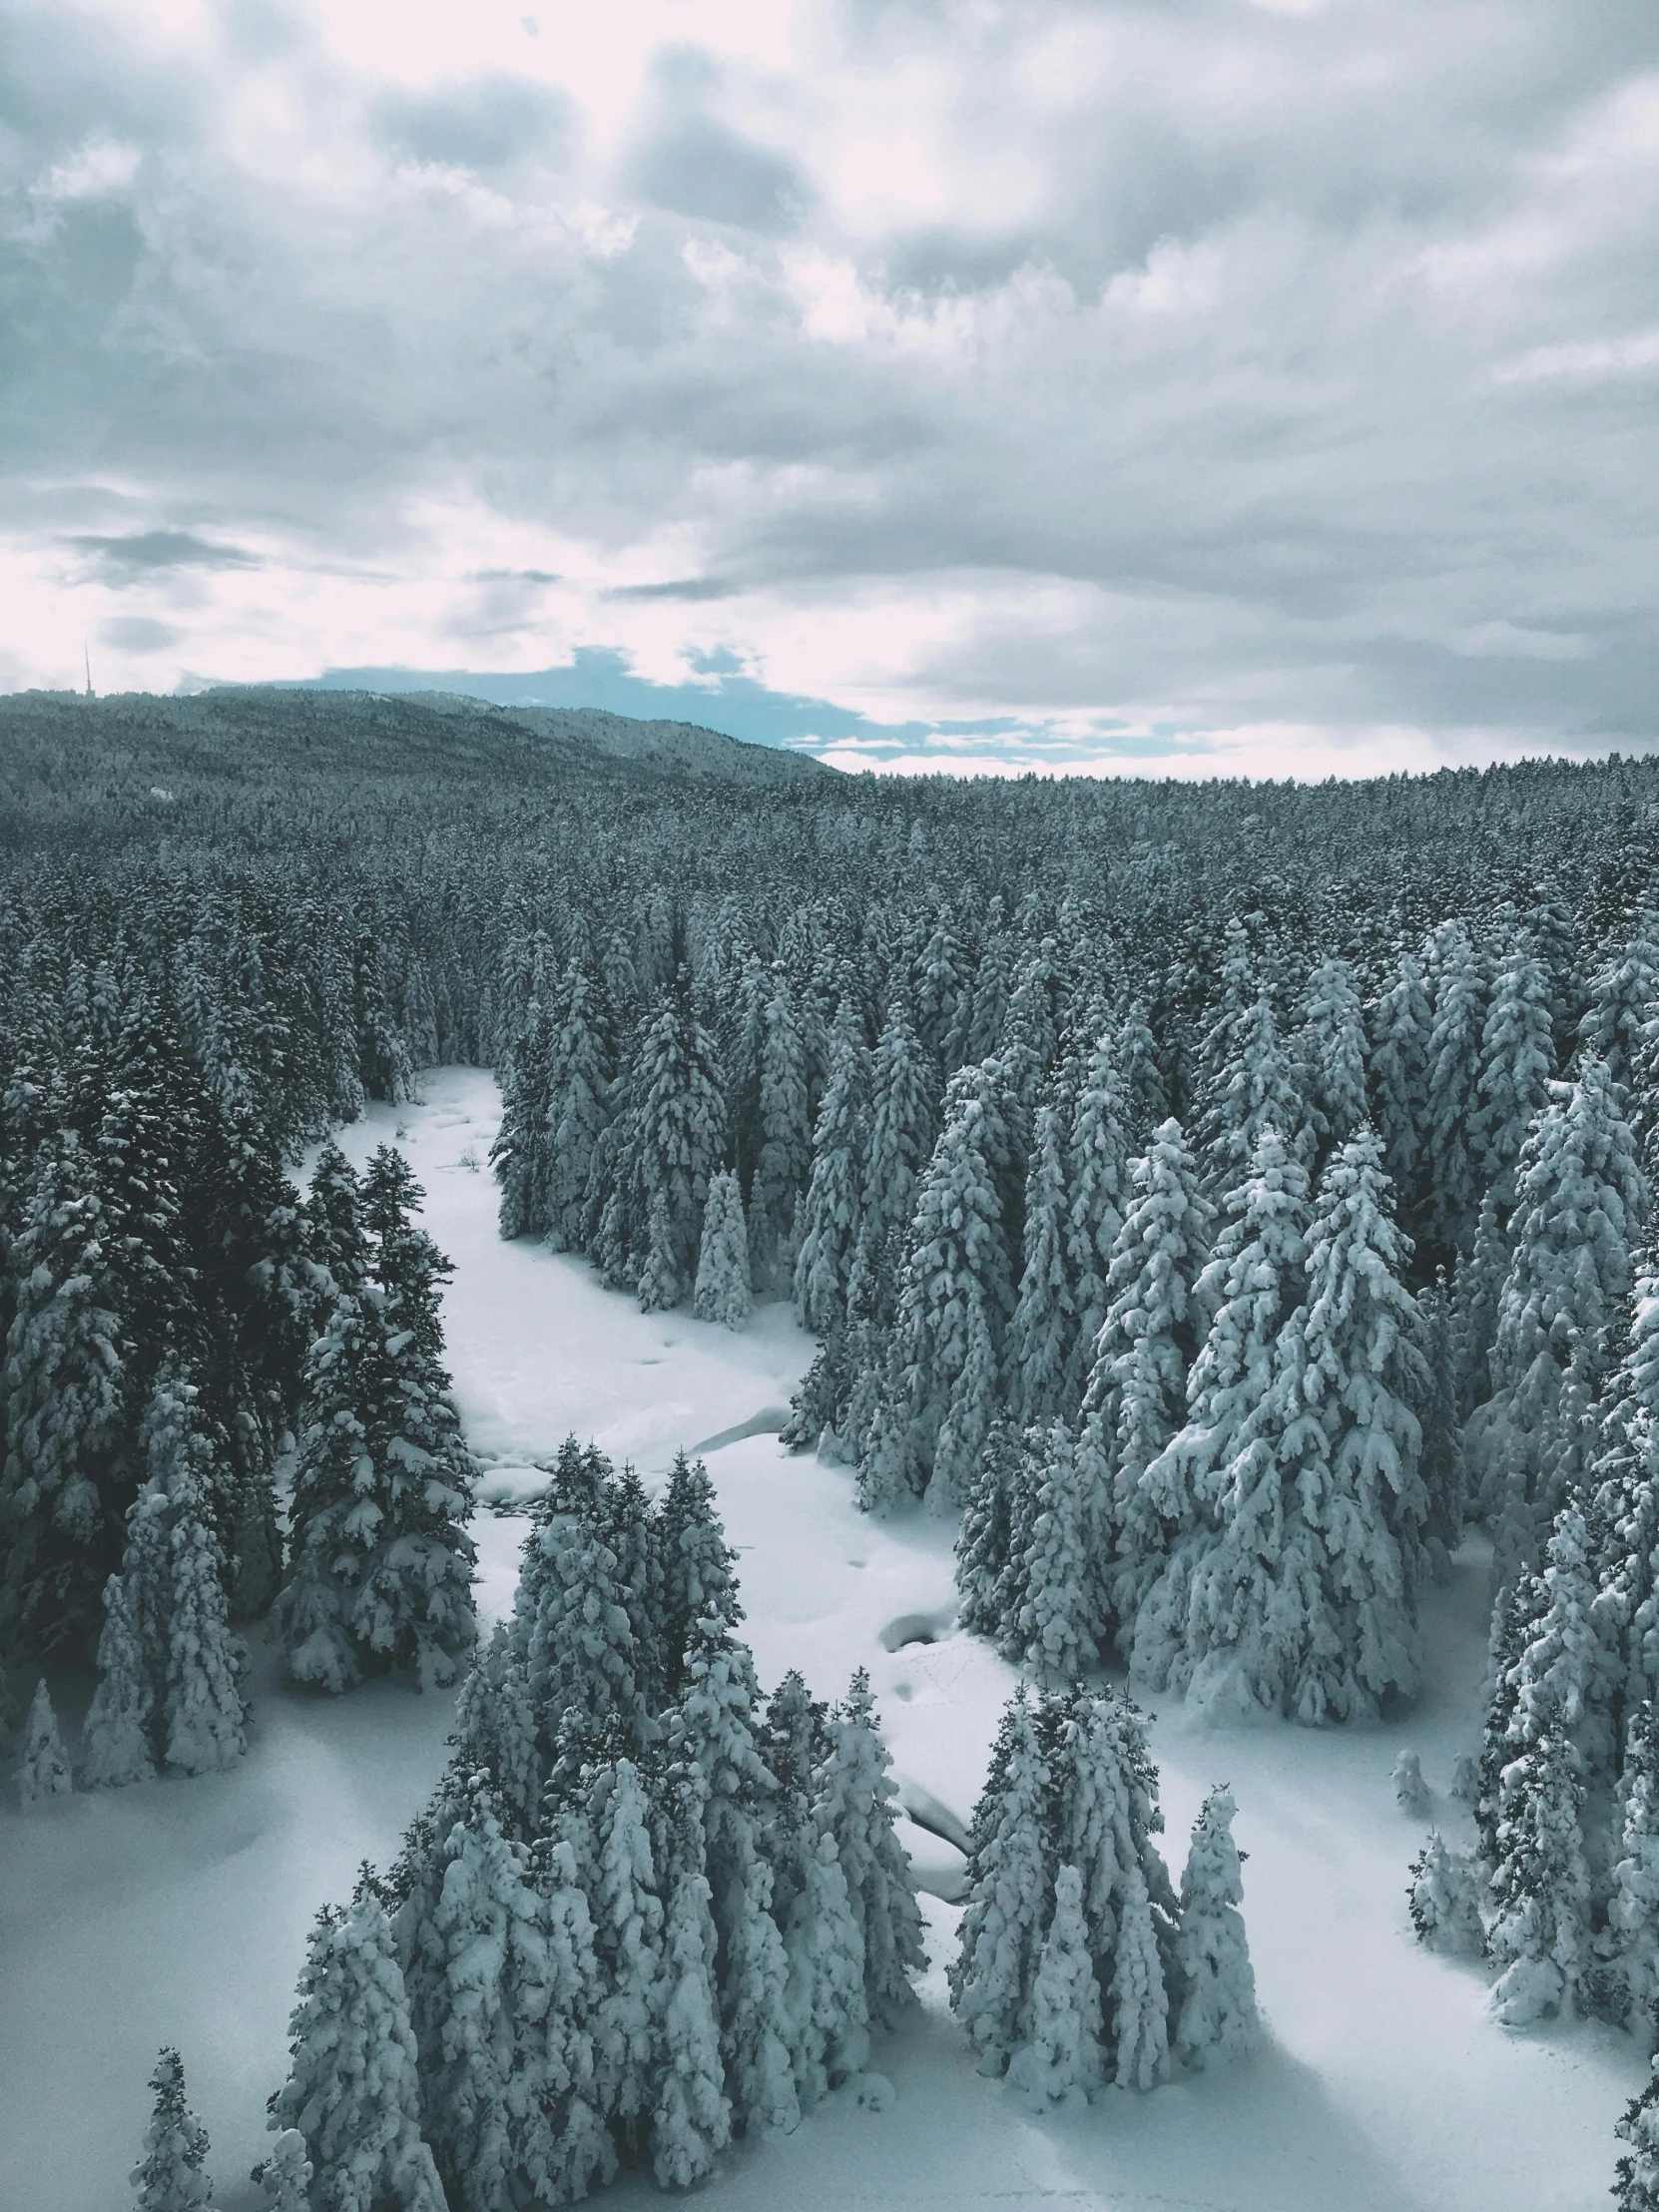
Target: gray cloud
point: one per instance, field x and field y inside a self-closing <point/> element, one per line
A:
<point x="137" y="634"/>
<point x="124" y="559"/>
<point x="487" y="124"/>
<point x="695" y="166"/>
<point x="682" y="587"/>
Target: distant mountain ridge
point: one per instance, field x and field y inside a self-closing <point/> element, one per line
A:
<point x="688" y="746"/>
<point x="78" y="769"/>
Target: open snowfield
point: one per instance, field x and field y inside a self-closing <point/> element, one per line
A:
<point x="176" y="1911"/>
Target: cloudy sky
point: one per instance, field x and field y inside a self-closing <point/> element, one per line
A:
<point x="1198" y="385"/>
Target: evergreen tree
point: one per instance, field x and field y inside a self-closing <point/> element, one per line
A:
<point x="695" y="1561"/>
<point x="1330" y="1055"/>
<point x="901" y="1132"/>
<point x="1139" y="2006"/>
<point x="381" y="1565"/>
<point x="1622" y="993"/>
<point x="66" y="1467"/>
<point x="1442" y="1464"/>
<point x="119" y="1740"/>
<point x="1256" y="1091"/>
<point x="496" y="1729"/>
<point x="1217" y="2018"/>
<point x="1145" y="1100"/>
<point x="829" y="1977"/>
<point x="1638" y="2188"/>
<point x="628" y="1945"/>
<point x="691" y="2120"/>
<point x="1063" y="2063"/>
<point x="455" y="1965"/>
<point x="571" y="1622"/>
<point x="756" y="2027"/>
<point x="1579" y="1201"/>
<point x="1136" y="1390"/>
<point x="1302" y="1598"/>
<point x="832" y="1214"/>
<point x="1517" y="1058"/>
<point x="204" y="1713"/>
<point x="994" y="1975"/>
<point x="1106" y="1816"/>
<point x="580" y="1086"/>
<point x="1540" y="1889"/>
<point x="785" y="1155"/>
<point x="856" y="1808"/>
<point x="1040" y="1333"/>
<point x="672" y="1137"/>
<point x="43" y="1767"/>
<point x="1253" y="1284"/>
<point x="553" y="1999"/>
<point x="1445" y="1897"/>
<point x="1454" y="1177"/>
<point x="940" y="993"/>
<point x="1400" y="1023"/>
<point x="335" y="1245"/>
<point x="1054" y="1628"/>
<point x="286" y="2176"/>
<point x="954" y="1302"/>
<point x="352" y="2088"/>
<point x="1476" y="1293"/>
<point x="1632" y="1937"/>
<point x="984" y="1536"/>
<point x="522" y="1152"/>
<point x="722" y="1292"/>
<point x="169" y="2176"/>
<point x="1095" y="1193"/>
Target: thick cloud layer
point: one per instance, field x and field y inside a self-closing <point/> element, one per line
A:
<point x="1197" y="384"/>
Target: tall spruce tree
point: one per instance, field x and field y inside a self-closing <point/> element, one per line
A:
<point x="832" y="1214"/>
<point x="956" y="1299"/>
<point x="1039" y="1348"/>
<point x="1097" y="1192"/>
<point x="855" y="1808"/>
<point x="1218" y="1458"/>
<point x="994" y="1975"/>
<point x="1136" y="1391"/>
<point x="1581" y="1199"/>
<point x="1455" y="1179"/>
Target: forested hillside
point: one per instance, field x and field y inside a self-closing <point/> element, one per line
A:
<point x="1226" y="1198"/>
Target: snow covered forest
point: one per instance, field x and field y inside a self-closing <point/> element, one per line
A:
<point x="1221" y="1216"/>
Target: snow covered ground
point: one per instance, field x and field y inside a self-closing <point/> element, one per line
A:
<point x="176" y="1911"/>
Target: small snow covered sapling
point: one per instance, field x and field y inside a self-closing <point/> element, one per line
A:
<point x="1465" y="1781"/>
<point x="286" y="2176"/>
<point x="1217" y="2017"/>
<point x="43" y="1770"/>
<point x="169" y="2176"/>
<point x="1410" y="1789"/>
<point x="1445" y="1897"/>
